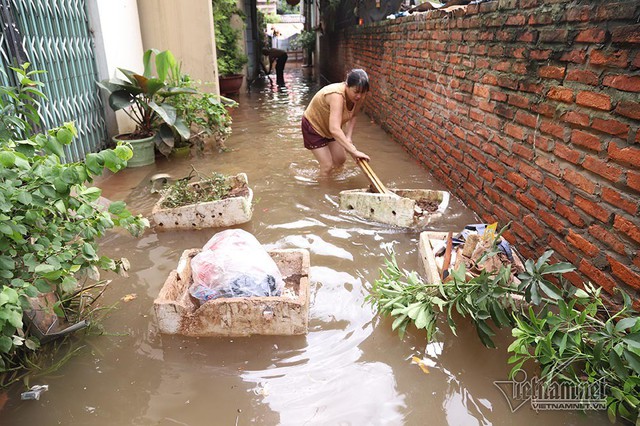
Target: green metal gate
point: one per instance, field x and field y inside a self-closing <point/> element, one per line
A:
<point x="56" y="38"/>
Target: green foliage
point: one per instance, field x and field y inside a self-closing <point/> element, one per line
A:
<point x="231" y="58"/>
<point x="566" y="330"/>
<point x="208" y="188"/>
<point x="49" y="220"/>
<point x="285" y="8"/>
<point x="204" y="113"/>
<point x="305" y="40"/>
<point x="144" y="97"/>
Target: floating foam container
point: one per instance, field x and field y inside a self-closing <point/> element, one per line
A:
<point x="177" y="312"/>
<point x="213" y="214"/>
<point x="402" y="208"/>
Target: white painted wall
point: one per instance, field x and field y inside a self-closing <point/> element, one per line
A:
<point x="118" y="44"/>
<point x="185" y="27"/>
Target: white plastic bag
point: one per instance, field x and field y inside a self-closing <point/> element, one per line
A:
<point x="233" y="263"/>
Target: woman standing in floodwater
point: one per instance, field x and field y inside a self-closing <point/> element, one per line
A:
<point x="330" y="109"/>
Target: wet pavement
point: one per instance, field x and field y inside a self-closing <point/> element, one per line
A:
<point x="351" y="369"/>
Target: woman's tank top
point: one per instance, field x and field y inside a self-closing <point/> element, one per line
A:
<point x="318" y="110"/>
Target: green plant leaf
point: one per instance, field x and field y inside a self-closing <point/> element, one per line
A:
<point x="7" y="158"/>
<point x="5" y="344"/>
<point x="626" y="323"/>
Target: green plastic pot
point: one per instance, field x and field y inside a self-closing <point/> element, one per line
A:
<point x="144" y="152"/>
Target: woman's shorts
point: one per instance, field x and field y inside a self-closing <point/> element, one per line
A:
<point x="312" y="140"/>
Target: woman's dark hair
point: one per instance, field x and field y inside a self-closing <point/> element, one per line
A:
<point x="359" y="79"/>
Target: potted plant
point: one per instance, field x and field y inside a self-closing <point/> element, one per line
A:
<point x="144" y="99"/>
<point x="213" y="201"/>
<point x="205" y="114"/>
<point x="306" y="41"/>
<point x="231" y="58"/>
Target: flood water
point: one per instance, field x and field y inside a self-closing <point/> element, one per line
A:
<point x="350" y="369"/>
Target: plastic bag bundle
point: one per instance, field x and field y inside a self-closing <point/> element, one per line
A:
<point x="233" y="263"/>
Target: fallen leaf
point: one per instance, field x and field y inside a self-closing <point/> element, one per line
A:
<point x="129" y="297"/>
<point x="423" y="366"/>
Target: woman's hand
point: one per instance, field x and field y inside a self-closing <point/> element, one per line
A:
<point x="359" y="154"/>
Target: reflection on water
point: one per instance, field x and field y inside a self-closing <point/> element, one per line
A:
<point x="351" y="369"/>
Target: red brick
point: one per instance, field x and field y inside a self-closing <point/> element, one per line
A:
<point x="567" y="153"/>
<point x="570" y="214"/>
<point x="552" y="128"/>
<point x="627" y="227"/>
<point x="574" y="117"/>
<point x="623" y="273"/>
<point x="582" y="76"/>
<point x="518" y="20"/>
<point x="486" y="175"/>
<point x="511" y="207"/>
<point x="481" y="91"/>
<point x="594" y="100"/>
<point x="607" y="237"/>
<point x="552" y="72"/>
<point x="597" y="276"/>
<point x="552" y="221"/>
<point x="522" y="232"/>
<point x="592" y="209"/>
<point x="534" y="226"/>
<point x="586" y="140"/>
<point x="517" y="180"/>
<point x="540" y="55"/>
<point x="514" y="131"/>
<point x="629" y="155"/>
<point x="636" y="260"/>
<point x="558" y="187"/>
<point x="553" y="36"/>
<point x="540" y="142"/>
<point x="628" y="83"/>
<point x="562" y="249"/>
<point x="633" y="180"/>
<point x="498" y="96"/>
<point x="626" y="34"/>
<point x="548" y="165"/>
<point x="613" y="127"/>
<point x="562" y="94"/>
<point x="581" y="244"/>
<point x="577" y="56"/>
<point x="591" y="35"/>
<point x="604" y="169"/>
<point x="615" y="58"/>
<point x="616" y="199"/>
<point x="527" y="202"/>
<point x="531" y="172"/>
<point x="504" y="186"/>
<point x="544" y="108"/>
<point x="615" y="10"/>
<point x="541" y="196"/>
<point x="519" y="100"/>
<point x="526" y="119"/>
<point x="530" y="87"/>
<point x="579" y="180"/>
<point x="629" y="109"/>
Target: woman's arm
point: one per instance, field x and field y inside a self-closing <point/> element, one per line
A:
<point x="351" y="124"/>
<point x="335" y="126"/>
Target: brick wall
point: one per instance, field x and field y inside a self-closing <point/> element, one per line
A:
<point x="528" y="110"/>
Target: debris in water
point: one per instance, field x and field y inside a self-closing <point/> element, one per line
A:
<point x="421" y="364"/>
<point x="129" y="297"/>
<point x="34" y="392"/>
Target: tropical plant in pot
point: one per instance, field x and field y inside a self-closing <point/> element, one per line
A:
<point x="143" y="97"/>
<point x="205" y="114"/>
<point x="231" y="58"/>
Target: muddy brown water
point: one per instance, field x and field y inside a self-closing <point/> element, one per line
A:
<point x="351" y="368"/>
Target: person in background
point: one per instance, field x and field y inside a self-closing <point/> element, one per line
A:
<point x="280" y="58"/>
<point x="333" y="107"/>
